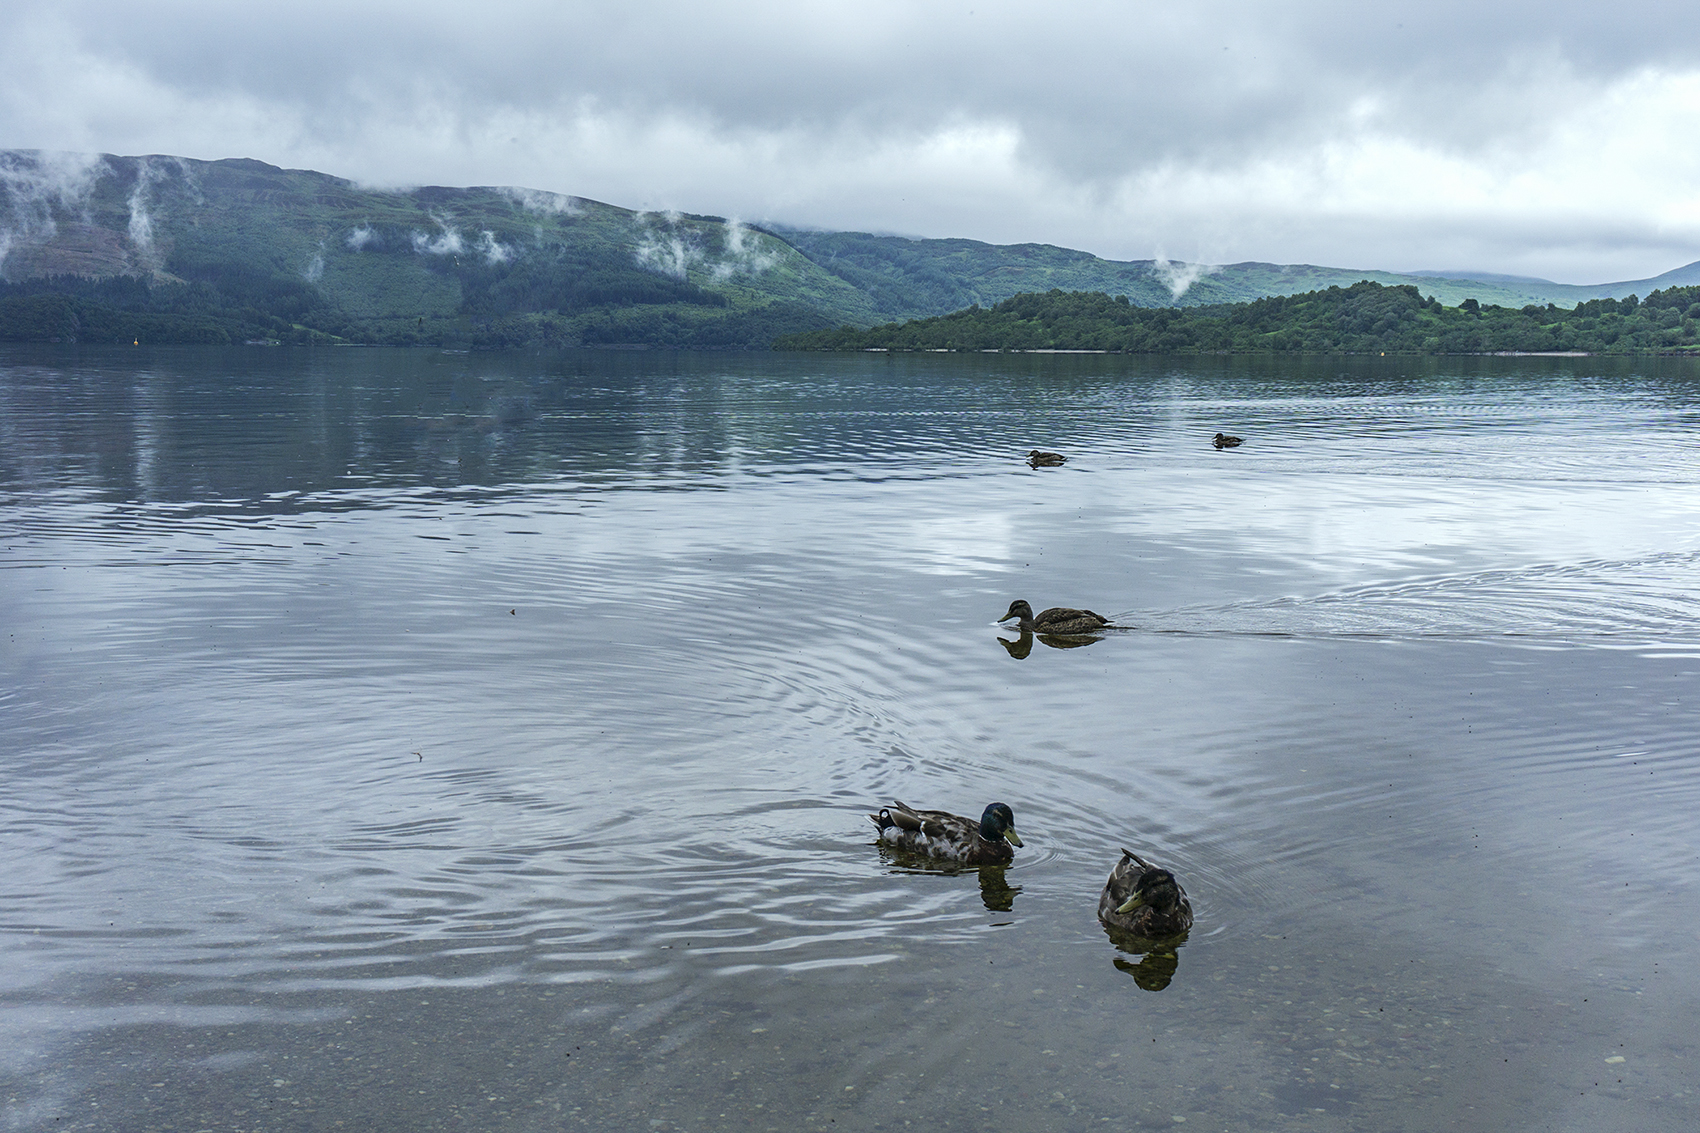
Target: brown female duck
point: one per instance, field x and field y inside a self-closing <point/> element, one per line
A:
<point x="1060" y="620"/>
<point x="1144" y="900"/>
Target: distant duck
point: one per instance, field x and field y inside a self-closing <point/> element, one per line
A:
<point x="1040" y="459"/>
<point x="1223" y="440"/>
<point x="950" y="837"/>
<point x="1144" y="900"/>
<point x="1057" y="620"/>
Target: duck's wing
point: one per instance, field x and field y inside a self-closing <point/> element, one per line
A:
<point x="1117" y="889"/>
<point x="903" y="816"/>
<point x="1123" y="880"/>
<point x="1066" y="615"/>
<point x="932" y="823"/>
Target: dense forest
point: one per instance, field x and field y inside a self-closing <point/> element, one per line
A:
<point x="542" y="303"/>
<point x="1365" y="318"/>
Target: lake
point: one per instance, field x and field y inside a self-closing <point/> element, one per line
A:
<point x="421" y="740"/>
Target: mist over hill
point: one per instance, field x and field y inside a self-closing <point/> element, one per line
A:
<point x="101" y="248"/>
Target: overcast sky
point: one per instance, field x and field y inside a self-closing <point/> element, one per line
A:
<point x="1555" y="138"/>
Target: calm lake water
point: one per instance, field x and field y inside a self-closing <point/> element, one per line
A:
<point x="410" y="740"/>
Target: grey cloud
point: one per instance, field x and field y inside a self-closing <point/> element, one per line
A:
<point x="1113" y="83"/>
<point x="845" y="113"/>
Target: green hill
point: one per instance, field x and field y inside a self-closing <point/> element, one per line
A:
<point x="168" y="248"/>
<point x="120" y="249"/>
<point x="907" y="278"/>
<point x="1365" y="318"/>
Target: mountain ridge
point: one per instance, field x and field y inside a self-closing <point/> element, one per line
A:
<point x="108" y="248"/>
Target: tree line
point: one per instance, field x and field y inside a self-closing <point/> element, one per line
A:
<point x="540" y="300"/>
<point x="1366" y="318"/>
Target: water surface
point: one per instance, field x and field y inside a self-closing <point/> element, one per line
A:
<point x="404" y="739"/>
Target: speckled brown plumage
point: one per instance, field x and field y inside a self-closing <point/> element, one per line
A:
<point x="1162" y="910"/>
<point x="1056" y="620"/>
<point x="950" y="837"/>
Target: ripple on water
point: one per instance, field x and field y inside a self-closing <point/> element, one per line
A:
<point x="611" y="724"/>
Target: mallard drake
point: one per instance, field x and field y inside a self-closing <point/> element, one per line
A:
<point x="1144" y="900"/>
<point x="1223" y="440"/>
<point x="938" y="834"/>
<point x="1056" y="620"/>
<point x="1040" y="459"/>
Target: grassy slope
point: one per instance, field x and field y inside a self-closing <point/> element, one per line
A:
<point x="436" y="263"/>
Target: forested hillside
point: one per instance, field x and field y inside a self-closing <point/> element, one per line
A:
<point x="1366" y="318"/>
<point x="170" y="250"/>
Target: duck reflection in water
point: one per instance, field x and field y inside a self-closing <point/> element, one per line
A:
<point x="1145" y="912"/>
<point x="1023" y="645"/>
<point x="996" y="893"/>
<point x="1155" y="971"/>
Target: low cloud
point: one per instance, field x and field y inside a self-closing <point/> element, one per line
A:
<point x="447" y="242"/>
<point x="34" y="186"/>
<point x="669" y="246"/>
<point x="493" y="250"/>
<point x="664" y="247"/>
<point x="543" y="203"/>
<point x="141" y="222"/>
<point x="358" y="238"/>
<point x="1179" y="277"/>
<point x="744" y="253"/>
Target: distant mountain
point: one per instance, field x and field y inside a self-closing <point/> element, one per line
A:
<point x="903" y="276"/>
<point x="1570" y="294"/>
<point x="106" y="248"/>
<point x="1481" y="276"/>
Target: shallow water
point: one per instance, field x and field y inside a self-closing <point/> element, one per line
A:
<point x="418" y="740"/>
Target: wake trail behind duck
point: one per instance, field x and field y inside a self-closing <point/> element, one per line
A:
<point x="1649" y="601"/>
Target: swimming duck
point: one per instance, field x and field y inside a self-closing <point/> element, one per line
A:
<point x="1056" y="620"/>
<point x="1144" y="900"/>
<point x="938" y="834"/>
<point x="1040" y="459"/>
<point x="1223" y="440"/>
